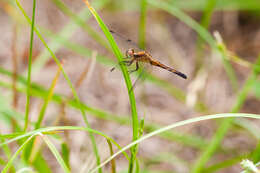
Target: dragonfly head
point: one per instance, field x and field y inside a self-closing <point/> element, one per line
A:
<point x="130" y="53"/>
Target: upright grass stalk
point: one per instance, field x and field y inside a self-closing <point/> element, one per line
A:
<point x="226" y="123"/>
<point x="205" y="22"/>
<point x="68" y="81"/>
<point x="113" y="162"/>
<point x="142" y="24"/>
<point x="15" y="66"/>
<point x="47" y="99"/>
<point x="119" y="56"/>
<point x="35" y="147"/>
<point x="29" y="70"/>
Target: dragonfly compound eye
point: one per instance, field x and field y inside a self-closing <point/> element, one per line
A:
<point x="130" y="53"/>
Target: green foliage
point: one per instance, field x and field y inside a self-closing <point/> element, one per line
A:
<point x="256" y="88"/>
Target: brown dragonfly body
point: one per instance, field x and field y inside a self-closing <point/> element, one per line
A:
<point x="142" y="56"/>
<point x="145" y="57"/>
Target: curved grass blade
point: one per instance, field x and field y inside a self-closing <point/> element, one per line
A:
<point x="55" y="153"/>
<point x="47" y="130"/>
<point x="178" y="124"/>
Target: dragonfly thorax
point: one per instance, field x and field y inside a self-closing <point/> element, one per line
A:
<point x="129" y="53"/>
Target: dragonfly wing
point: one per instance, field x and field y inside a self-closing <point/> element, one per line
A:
<point x="144" y="69"/>
<point x="124" y="43"/>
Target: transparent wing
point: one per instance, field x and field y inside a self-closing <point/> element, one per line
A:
<point x="141" y="74"/>
<point x="124" y="43"/>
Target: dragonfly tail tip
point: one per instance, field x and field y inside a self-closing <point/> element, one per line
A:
<point x="181" y="74"/>
<point x="112" y="69"/>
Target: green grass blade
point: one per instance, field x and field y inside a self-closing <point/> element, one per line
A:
<point x="255" y="157"/>
<point x="55" y="153"/>
<point x="65" y="151"/>
<point x="47" y="99"/>
<point x="205" y="22"/>
<point x="230" y="72"/>
<point x="10" y="162"/>
<point x="230" y="5"/>
<point x="142" y="24"/>
<point x="225" y="163"/>
<point x="119" y="56"/>
<point x="49" y="130"/>
<point x="113" y="162"/>
<point x="29" y="69"/>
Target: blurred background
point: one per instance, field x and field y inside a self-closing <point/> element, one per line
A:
<point x="214" y="42"/>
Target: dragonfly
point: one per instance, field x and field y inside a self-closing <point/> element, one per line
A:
<point x="143" y="56"/>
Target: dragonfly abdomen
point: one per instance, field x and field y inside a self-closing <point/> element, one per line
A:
<point x="158" y="64"/>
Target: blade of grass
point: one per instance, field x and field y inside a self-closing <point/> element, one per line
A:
<point x="48" y="130"/>
<point x="119" y="56"/>
<point x="178" y="124"/>
<point x="47" y="99"/>
<point x="65" y="152"/>
<point x="199" y="5"/>
<point x="226" y="124"/>
<point x="255" y="157"/>
<point x="10" y="161"/>
<point x="113" y="163"/>
<point x="224" y="54"/>
<point x="68" y="81"/>
<point x="7" y="152"/>
<point x="14" y="65"/>
<point x="142" y="24"/>
<point x="55" y="153"/>
<point x="35" y="147"/>
<point x="205" y="22"/>
<point x="26" y="123"/>
<point x="225" y="163"/>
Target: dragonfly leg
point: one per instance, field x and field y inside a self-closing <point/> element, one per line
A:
<point x="137" y="67"/>
<point x="127" y="63"/>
